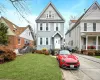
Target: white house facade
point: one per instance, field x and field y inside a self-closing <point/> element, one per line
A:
<point x="85" y="33"/>
<point x="50" y="28"/>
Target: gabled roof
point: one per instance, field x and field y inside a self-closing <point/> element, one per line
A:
<point x="14" y="28"/>
<point x="56" y="34"/>
<point x="50" y="4"/>
<point x="78" y="21"/>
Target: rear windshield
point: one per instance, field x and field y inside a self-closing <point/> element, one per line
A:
<point x="64" y="52"/>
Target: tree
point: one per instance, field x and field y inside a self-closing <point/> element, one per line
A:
<point x="3" y="34"/>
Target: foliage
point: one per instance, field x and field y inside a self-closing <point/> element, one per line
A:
<point x="91" y="53"/>
<point x="7" y="54"/>
<point x="3" y="34"/>
<point x="91" y="47"/>
<point x="97" y="53"/>
<point x="31" y="67"/>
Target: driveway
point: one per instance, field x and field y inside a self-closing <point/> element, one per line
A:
<point x="89" y="69"/>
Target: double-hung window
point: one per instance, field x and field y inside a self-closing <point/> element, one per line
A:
<point x="85" y="26"/>
<point x="46" y="26"/>
<point x="46" y="41"/>
<point x="40" y="41"/>
<point x="56" y="26"/>
<point x="41" y="27"/>
<point x="94" y="26"/>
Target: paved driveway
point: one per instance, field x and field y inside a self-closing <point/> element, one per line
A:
<point x="89" y="69"/>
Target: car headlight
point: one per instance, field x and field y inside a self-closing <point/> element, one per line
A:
<point x="63" y="60"/>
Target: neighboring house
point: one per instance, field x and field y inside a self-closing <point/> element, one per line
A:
<point x="17" y="36"/>
<point x="50" y="28"/>
<point x="85" y="32"/>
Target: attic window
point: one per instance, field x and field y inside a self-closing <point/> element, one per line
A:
<point x="49" y="14"/>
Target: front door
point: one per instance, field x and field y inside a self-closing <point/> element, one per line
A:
<point x="57" y="43"/>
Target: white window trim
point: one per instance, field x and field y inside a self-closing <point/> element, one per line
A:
<point x="20" y="41"/>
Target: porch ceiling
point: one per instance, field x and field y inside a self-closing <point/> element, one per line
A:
<point x="90" y="33"/>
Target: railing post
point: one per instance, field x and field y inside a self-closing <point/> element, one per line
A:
<point x="86" y="41"/>
<point x="96" y="42"/>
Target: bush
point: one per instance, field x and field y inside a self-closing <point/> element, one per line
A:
<point x="91" y="53"/>
<point x="46" y="53"/>
<point x="6" y="54"/>
<point x="97" y="53"/>
<point x="84" y="52"/>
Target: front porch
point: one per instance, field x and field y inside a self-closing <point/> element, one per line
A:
<point x="90" y="42"/>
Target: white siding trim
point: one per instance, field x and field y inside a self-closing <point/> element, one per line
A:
<point x="38" y="26"/>
<point x="49" y="27"/>
<point x="54" y="26"/>
<point x="49" y="40"/>
<point x="43" y="41"/>
<point x="38" y="40"/>
<point x="44" y="26"/>
<point x="59" y="26"/>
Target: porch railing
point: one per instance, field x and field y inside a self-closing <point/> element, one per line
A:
<point x="90" y="47"/>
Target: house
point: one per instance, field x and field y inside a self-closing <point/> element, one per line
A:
<point x="17" y="36"/>
<point x="84" y="33"/>
<point x="50" y="28"/>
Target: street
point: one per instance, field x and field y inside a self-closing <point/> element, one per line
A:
<point x="89" y="70"/>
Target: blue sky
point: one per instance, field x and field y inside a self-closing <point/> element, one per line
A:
<point x="67" y="8"/>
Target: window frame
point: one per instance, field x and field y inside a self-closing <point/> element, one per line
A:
<point x="41" y="41"/>
<point x="19" y="42"/>
<point x="85" y="26"/>
<point x="41" y="28"/>
<point x="47" y="29"/>
<point x="47" y="42"/>
<point x="94" y="26"/>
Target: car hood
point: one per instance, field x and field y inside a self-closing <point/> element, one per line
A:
<point x="70" y="58"/>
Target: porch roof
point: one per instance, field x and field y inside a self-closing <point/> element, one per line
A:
<point x="58" y="34"/>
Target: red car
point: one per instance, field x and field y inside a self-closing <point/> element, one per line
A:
<point x="67" y="60"/>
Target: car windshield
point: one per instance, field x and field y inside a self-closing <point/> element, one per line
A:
<point x="64" y="52"/>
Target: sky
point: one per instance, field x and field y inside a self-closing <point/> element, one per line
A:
<point x="67" y="9"/>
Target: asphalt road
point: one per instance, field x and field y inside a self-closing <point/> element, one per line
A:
<point x="89" y="70"/>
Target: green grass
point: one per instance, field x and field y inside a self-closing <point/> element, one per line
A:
<point x="97" y="56"/>
<point x="31" y="67"/>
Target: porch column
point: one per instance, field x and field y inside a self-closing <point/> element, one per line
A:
<point x="86" y="41"/>
<point x="96" y="42"/>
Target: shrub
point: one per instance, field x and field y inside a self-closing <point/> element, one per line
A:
<point x="7" y="54"/>
<point x="46" y="53"/>
<point x="84" y="52"/>
<point x="90" y="53"/>
<point x="97" y="53"/>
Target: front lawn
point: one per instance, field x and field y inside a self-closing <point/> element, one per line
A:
<point x="31" y="67"/>
<point x="97" y="56"/>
